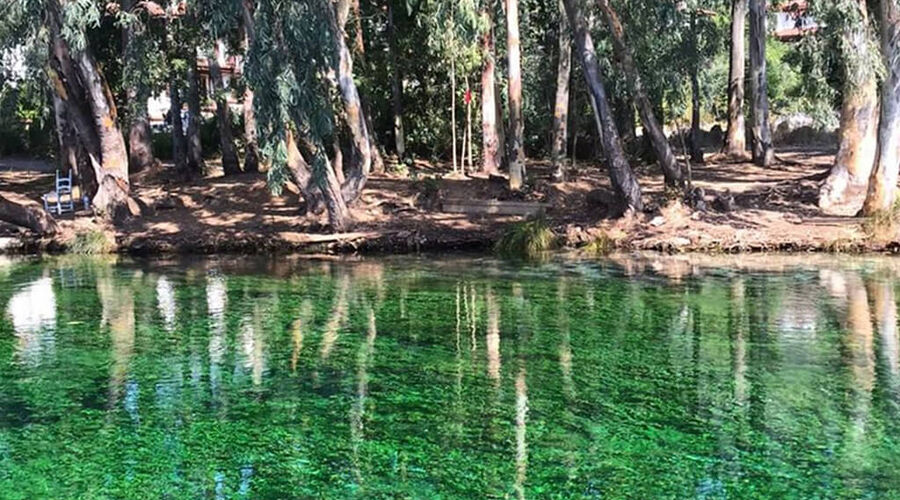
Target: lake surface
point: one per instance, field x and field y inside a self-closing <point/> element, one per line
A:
<point x="757" y="377"/>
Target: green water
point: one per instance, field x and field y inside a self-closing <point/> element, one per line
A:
<point x="448" y="378"/>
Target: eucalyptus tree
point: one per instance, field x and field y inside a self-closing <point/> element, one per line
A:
<point x="625" y="57"/>
<point x="623" y="179"/>
<point x="81" y="85"/>
<point x="844" y="191"/>
<point x="490" y="137"/>
<point x="287" y="67"/>
<point x="883" y="183"/>
<point x="138" y="50"/>
<point x="561" y="102"/>
<point x="516" y="120"/>
<point x="761" y="144"/>
<point x="735" y="138"/>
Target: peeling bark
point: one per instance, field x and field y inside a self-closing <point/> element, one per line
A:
<point x="88" y="101"/>
<point x="516" y="121"/>
<point x="623" y="180"/>
<point x="361" y="146"/>
<point x="883" y="183"/>
<point x="735" y="139"/>
<point x="490" y="138"/>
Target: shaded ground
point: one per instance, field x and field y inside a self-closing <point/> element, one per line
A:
<point x="774" y="208"/>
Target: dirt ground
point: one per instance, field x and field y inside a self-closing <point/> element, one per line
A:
<point x="774" y="209"/>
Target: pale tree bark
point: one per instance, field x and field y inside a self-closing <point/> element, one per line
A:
<point x="662" y="149"/>
<point x="23" y="212"/>
<point x="396" y="86"/>
<point x="883" y="182"/>
<point x="516" y="122"/>
<point x="140" y="149"/>
<point x="736" y="136"/>
<point x="623" y="179"/>
<point x="490" y="139"/>
<point x="844" y="191"/>
<point x="761" y="145"/>
<point x="231" y="164"/>
<point x="361" y="145"/>
<point x="561" y="103"/>
<point x="195" y="119"/>
<point x="89" y="102"/>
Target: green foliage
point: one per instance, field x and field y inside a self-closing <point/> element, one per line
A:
<point x="602" y="245"/>
<point x="526" y="239"/>
<point x="92" y="242"/>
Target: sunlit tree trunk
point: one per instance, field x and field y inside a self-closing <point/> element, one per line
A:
<point x="516" y="122"/>
<point x="89" y="102"/>
<point x="361" y="158"/>
<point x="844" y="191"/>
<point x="736" y="136"/>
<point x="195" y="119"/>
<point x="230" y="162"/>
<point x="561" y="106"/>
<point x="623" y="180"/>
<point x="490" y="139"/>
<point x="396" y="86"/>
<point x="763" y="154"/>
<point x="883" y="182"/>
<point x="662" y="149"/>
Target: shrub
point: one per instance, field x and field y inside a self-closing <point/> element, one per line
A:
<point x="528" y="239"/>
<point x="93" y="242"/>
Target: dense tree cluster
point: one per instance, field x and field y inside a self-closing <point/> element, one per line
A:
<point x="328" y="87"/>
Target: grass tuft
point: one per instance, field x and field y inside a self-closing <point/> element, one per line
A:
<point x="602" y="245"/>
<point x="93" y="242"/>
<point x="528" y="239"/>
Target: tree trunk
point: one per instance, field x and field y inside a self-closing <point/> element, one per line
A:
<point x="396" y="86"/>
<point x="735" y="139"/>
<point x="453" y="112"/>
<point x="623" y="109"/>
<point x="516" y="122"/>
<point x="90" y="104"/>
<point x="179" y="142"/>
<point x="251" y="151"/>
<point x="844" y="191"/>
<point x="67" y="138"/>
<point x="664" y="155"/>
<point x="883" y="182"/>
<point x="763" y="154"/>
<point x="490" y="139"/>
<point x="696" y="150"/>
<point x="561" y="106"/>
<point x="230" y="163"/>
<point x="623" y="180"/>
<point x="27" y="214"/>
<point x="302" y="175"/>
<point x="323" y="176"/>
<point x="140" y="148"/>
<point x="195" y="119"/>
<point x="361" y="157"/>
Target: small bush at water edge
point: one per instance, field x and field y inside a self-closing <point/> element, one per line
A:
<point x="529" y="239"/>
